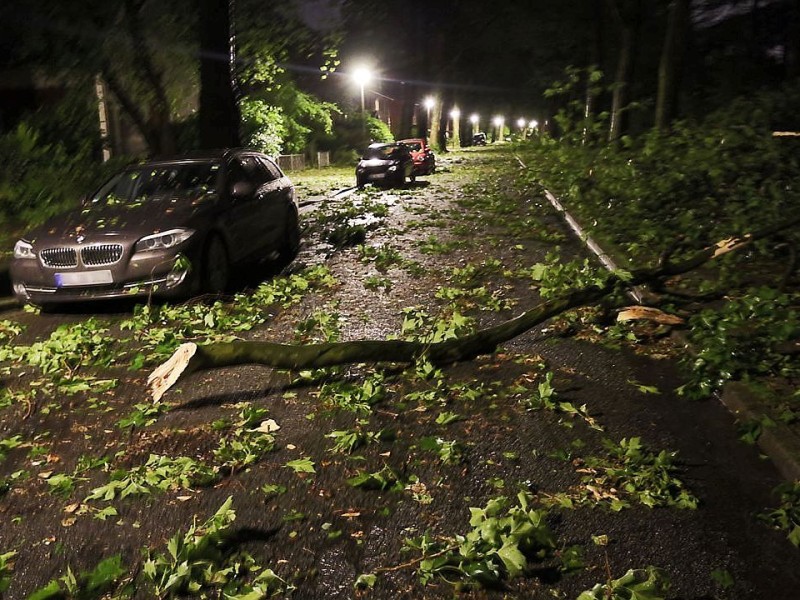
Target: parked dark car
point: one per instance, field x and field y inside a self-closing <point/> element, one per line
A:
<point x="169" y="228"/>
<point x="385" y="164"/>
<point x="424" y="158"/>
<point x="479" y="139"/>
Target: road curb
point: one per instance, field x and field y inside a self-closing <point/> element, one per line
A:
<point x="777" y="441"/>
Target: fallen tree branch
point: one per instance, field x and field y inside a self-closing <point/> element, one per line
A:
<point x="190" y="357"/>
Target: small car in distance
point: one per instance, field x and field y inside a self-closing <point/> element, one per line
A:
<point x="479" y="139"/>
<point x="424" y="158"/>
<point x="385" y="164"/>
<point x="168" y="228"/>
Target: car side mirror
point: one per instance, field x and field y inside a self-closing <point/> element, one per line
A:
<point x="242" y="189"/>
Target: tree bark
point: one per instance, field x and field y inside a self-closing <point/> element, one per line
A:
<point x="161" y="138"/>
<point x="627" y="25"/>
<point x="190" y="357"/>
<point x="219" y="113"/>
<point x="793" y="41"/>
<point x="671" y="64"/>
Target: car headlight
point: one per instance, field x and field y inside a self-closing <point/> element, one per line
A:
<point x="163" y="240"/>
<point x="23" y="249"/>
<point x="393" y="168"/>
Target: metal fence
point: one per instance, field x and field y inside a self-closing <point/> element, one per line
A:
<point x="297" y="162"/>
<point x="292" y="162"/>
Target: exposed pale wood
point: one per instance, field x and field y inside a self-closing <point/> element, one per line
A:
<point x="648" y="313"/>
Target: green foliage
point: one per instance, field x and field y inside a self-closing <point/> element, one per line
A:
<point x="382" y="480"/>
<point x="160" y="329"/>
<point x="90" y="585"/>
<point x="143" y="415"/>
<point x="247" y="442"/>
<point x="741" y="339"/>
<point x="345" y="442"/>
<point x="382" y="257"/>
<point x="263" y="126"/>
<point x="419" y="326"/>
<point x="9" y="443"/>
<point x="650" y="583"/>
<point x="67" y="349"/>
<point x="629" y="471"/>
<point x="357" y="397"/>
<point x="6" y="569"/>
<point x="48" y="161"/>
<point x="787" y="516"/>
<point x="555" y="278"/>
<point x="449" y="452"/>
<point x="159" y="473"/>
<point x="546" y="398"/>
<point x="301" y="465"/>
<point x="500" y="545"/>
<point x="199" y="562"/>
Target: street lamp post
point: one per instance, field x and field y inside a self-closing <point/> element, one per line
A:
<point x="428" y="103"/>
<point x="362" y="76"/>
<point x="475" y="120"/>
<point x="500" y="123"/>
<point x="455" y="115"/>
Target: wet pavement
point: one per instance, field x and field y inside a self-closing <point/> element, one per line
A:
<point x="467" y="228"/>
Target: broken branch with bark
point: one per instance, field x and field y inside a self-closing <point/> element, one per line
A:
<point x="191" y="357"/>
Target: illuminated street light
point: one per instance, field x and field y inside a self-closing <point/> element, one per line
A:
<point x="533" y="124"/>
<point x="499" y="122"/>
<point x="428" y="103"/>
<point x="521" y="122"/>
<point x="474" y="118"/>
<point x="362" y="76"/>
<point x="455" y="115"/>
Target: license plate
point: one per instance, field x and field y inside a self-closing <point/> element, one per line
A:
<point x="84" y="278"/>
<point x="377" y="176"/>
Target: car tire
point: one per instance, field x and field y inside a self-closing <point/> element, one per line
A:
<point x="290" y="243"/>
<point x="360" y="182"/>
<point x="216" y="267"/>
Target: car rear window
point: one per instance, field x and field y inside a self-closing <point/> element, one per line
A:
<point x="381" y="152"/>
<point x="160" y="182"/>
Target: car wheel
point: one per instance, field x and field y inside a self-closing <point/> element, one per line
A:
<point x="360" y="182"/>
<point x="215" y="267"/>
<point x="291" y="237"/>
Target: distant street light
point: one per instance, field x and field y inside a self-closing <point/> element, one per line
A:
<point x="362" y="76"/>
<point x="475" y="119"/>
<point x="521" y="122"/>
<point x="455" y="115"/>
<point x="533" y="124"/>
<point x="428" y="103"/>
<point x="499" y="122"/>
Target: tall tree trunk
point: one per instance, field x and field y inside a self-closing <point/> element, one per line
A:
<point x="161" y="138"/>
<point x="793" y="41"/>
<point x="669" y="69"/>
<point x="435" y="139"/>
<point x="594" y="62"/>
<point x="130" y="106"/>
<point x="628" y="27"/>
<point x="219" y="113"/>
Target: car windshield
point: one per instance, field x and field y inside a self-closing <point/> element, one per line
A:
<point x="173" y="182"/>
<point x="383" y="152"/>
